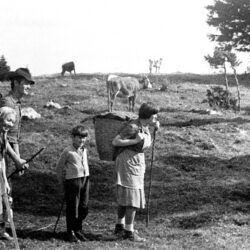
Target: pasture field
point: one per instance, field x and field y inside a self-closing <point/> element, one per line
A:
<point x="200" y="195"/>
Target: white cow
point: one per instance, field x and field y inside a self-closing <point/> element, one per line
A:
<point x="124" y="86"/>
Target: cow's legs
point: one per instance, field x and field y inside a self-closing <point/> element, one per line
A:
<point x="112" y="101"/>
<point x="108" y="92"/>
<point x="131" y="104"/>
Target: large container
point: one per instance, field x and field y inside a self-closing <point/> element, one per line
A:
<point x="107" y="125"/>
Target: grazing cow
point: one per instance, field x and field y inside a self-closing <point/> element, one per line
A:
<point x="125" y="87"/>
<point x="69" y="66"/>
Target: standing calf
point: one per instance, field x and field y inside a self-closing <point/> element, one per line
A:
<point x="124" y="86"/>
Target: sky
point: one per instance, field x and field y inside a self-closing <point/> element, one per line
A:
<point x="107" y="36"/>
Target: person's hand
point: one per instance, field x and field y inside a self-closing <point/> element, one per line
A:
<point x="25" y="166"/>
<point x="19" y="165"/>
<point x="139" y="137"/>
<point x="20" y="172"/>
<point x="157" y="125"/>
<point x="22" y="165"/>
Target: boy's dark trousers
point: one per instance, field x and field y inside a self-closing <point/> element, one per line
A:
<point x="77" y="198"/>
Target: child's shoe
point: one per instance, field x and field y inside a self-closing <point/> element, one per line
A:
<point x="132" y="236"/>
<point x="119" y="230"/>
<point x="71" y="237"/>
<point x="80" y="235"/>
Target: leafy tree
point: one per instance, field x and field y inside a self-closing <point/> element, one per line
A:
<point x="3" y="65"/>
<point x="218" y="60"/>
<point x="231" y="18"/>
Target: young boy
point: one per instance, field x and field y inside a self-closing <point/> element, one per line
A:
<point x="73" y="174"/>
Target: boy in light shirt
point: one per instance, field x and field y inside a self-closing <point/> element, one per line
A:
<point x="73" y="174"/>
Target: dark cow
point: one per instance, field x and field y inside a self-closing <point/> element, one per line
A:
<point x="69" y="66"/>
<point x="125" y="87"/>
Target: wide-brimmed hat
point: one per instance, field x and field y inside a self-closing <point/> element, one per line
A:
<point x="20" y="72"/>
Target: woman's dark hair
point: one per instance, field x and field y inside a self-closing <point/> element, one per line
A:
<point x="80" y="130"/>
<point x="147" y="109"/>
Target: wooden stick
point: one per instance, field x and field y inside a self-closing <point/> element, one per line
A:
<point x="59" y="215"/>
<point x="27" y="161"/>
<point x="42" y="228"/>
<point x="150" y="178"/>
<point x="7" y="204"/>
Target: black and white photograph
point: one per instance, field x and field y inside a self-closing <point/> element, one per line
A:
<point x="125" y="124"/>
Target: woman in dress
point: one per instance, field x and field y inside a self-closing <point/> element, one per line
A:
<point x="130" y="143"/>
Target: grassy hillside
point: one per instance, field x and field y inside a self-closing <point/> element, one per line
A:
<point x="200" y="190"/>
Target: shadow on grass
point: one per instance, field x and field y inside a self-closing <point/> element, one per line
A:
<point x="191" y="191"/>
<point x="196" y="191"/>
<point x="202" y="122"/>
<point x="37" y="193"/>
<point x="194" y="221"/>
<point x="93" y="111"/>
<point x="40" y="235"/>
<point x="174" y="110"/>
<point x="47" y="235"/>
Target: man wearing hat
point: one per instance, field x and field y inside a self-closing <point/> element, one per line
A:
<point x="21" y="81"/>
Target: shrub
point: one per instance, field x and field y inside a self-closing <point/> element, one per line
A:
<point x="219" y="98"/>
<point x="164" y="85"/>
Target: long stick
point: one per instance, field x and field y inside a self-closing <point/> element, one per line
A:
<point x="27" y="161"/>
<point x="33" y="156"/>
<point x="150" y="178"/>
<point x="59" y="215"/>
<point x="7" y="204"/>
<point x="42" y="228"/>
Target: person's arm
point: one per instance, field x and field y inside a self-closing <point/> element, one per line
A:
<point x="15" y="147"/>
<point x="156" y="125"/>
<point x="60" y="168"/>
<point x="129" y="135"/>
<point x="6" y="183"/>
<point x="20" y="163"/>
<point x="118" y="141"/>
